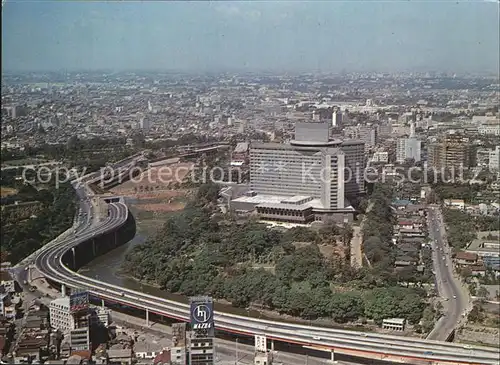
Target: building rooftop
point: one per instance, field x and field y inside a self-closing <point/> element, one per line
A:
<point x="484" y="245"/>
<point x="277" y="201"/>
<point x="5" y="276"/>
<point x="241" y="147"/>
<point x="469" y="256"/>
<point x="296" y="199"/>
<point x="60" y="301"/>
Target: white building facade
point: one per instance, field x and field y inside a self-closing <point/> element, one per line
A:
<point x="60" y="315"/>
<point x="494" y="159"/>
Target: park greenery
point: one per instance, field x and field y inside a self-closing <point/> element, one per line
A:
<point x="33" y="217"/>
<point x="201" y="252"/>
<point x="91" y="154"/>
<point x="462" y="227"/>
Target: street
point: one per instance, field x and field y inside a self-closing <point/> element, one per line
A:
<point x="455" y="300"/>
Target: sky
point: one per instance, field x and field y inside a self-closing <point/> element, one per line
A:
<point x="312" y="36"/>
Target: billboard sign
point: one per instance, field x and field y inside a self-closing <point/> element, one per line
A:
<point x="202" y="316"/>
<point x="78" y="302"/>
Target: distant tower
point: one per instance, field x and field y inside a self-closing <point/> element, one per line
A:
<point x="150" y="107"/>
<point x="412" y="130"/>
<point x="336" y="118"/>
<point x="316" y="116"/>
<point x="144" y="124"/>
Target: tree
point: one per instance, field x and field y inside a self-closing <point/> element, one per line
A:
<point x="482" y="292"/>
<point x="476" y="314"/>
<point x="439" y="308"/>
<point x="428" y="319"/>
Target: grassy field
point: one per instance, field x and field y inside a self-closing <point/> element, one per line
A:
<point x="6" y="191"/>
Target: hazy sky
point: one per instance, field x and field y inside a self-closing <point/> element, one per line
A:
<point x="256" y="35"/>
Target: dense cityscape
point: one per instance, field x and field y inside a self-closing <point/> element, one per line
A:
<point x="175" y="217"/>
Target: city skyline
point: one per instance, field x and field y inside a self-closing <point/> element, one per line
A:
<point x="290" y="36"/>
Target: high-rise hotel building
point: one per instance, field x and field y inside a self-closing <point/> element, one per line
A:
<point x="303" y="180"/>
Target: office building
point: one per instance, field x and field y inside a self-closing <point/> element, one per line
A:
<point x="365" y="133"/>
<point x="144" y="124"/>
<point x="262" y="355"/>
<point x="355" y="163"/>
<point x="100" y="316"/>
<point x="380" y="157"/>
<point x="79" y="339"/>
<point x="488" y="126"/>
<point x="336" y="118"/>
<point x="494" y="159"/>
<point x="60" y="316"/>
<point x="178" y="350"/>
<point x="451" y="151"/>
<point x="369" y="135"/>
<point x="201" y="351"/>
<point x="303" y="180"/>
<point x="71" y="315"/>
<point x="409" y="148"/>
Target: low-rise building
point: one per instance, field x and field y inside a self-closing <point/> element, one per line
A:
<point x="100" y="316"/>
<point x="484" y="247"/>
<point x="466" y="258"/>
<point x="119" y="356"/>
<point x="263" y="358"/>
<point x="144" y="349"/>
<point x="394" y="324"/>
<point x="32" y="345"/>
<point x="7" y="282"/>
<point x="455" y="203"/>
<point x="479" y="270"/>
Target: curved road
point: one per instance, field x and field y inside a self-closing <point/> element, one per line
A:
<point x="384" y="347"/>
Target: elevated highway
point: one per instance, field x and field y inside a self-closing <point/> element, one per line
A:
<point x="55" y="263"/>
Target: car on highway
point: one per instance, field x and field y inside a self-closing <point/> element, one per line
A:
<point x="317" y="338"/>
<point x="454" y="297"/>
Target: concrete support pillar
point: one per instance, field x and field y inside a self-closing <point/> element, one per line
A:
<point x="63" y="290"/>
<point x="332" y="354"/>
<point x="73" y="251"/>
<point x="115" y="238"/>
<point x="272" y="345"/>
<point x="147" y="317"/>
<point x="102" y="303"/>
<point x="93" y="247"/>
<point x="30" y="274"/>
